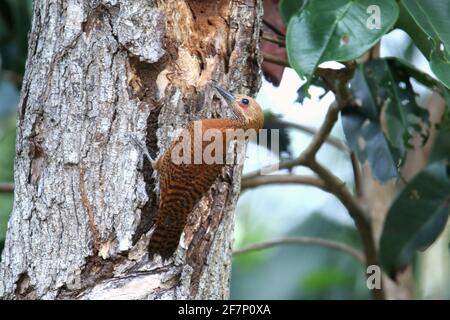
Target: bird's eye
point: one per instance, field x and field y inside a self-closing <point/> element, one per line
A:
<point x="245" y="101"/>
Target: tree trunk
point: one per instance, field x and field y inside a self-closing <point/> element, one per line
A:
<point x="96" y="71"/>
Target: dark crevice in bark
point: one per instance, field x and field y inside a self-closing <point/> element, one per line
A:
<point x="95" y="19"/>
<point x="95" y="270"/>
<point x="36" y="155"/>
<point x="150" y="208"/>
<point x="23" y="106"/>
<point x="142" y="86"/>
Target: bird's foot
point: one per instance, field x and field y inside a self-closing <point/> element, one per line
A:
<point x="133" y="138"/>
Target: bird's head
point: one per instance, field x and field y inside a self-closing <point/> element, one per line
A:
<point x="245" y="109"/>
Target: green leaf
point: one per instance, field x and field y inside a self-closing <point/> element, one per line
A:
<point x="432" y="18"/>
<point x="288" y="8"/>
<point x="420" y="76"/>
<point x="420" y="38"/>
<point x="444" y="122"/>
<point x="334" y="31"/>
<point x="402" y="114"/>
<point x="303" y="93"/>
<point x="441" y="145"/>
<point x="440" y="64"/>
<point x="416" y="218"/>
<point x="383" y="89"/>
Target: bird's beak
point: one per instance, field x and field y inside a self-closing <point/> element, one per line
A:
<point x="224" y="93"/>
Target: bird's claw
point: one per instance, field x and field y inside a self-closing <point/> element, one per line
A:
<point x="133" y="138"/>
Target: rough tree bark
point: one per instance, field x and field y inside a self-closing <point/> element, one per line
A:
<point x="96" y="71"/>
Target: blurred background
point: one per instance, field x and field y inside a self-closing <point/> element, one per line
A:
<point x="15" y="18"/>
<point x="264" y="213"/>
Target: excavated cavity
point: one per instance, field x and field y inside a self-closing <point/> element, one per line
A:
<point x="24" y="291"/>
<point x="199" y="35"/>
<point x="150" y="208"/>
<point x="95" y="19"/>
<point x="142" y="86"/>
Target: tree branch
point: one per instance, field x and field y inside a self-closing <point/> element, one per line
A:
<point x="271" y="37"/>
<point x="304" y="241"/>
<point x="340" y="190"/>
<point x="6" y="187"/>
<point x="272" y="27"/>
<point x="307" y="158"/>
<point x="357" y="175"/>
<point x="337" y="143"/>
<point x="310" y="152"/>
<point x="337" y="80"/>
<point x="267" y="57"/>
<point x="282" y="179"/>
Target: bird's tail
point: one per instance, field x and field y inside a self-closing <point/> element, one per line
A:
<point x="166" y="236"/>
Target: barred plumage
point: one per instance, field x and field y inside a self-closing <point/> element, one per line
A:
<point x="183" y="185"/>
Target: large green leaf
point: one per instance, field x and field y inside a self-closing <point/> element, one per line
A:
<point x="416" y="218"/>
<point x="383" y="89"/>
<point x="289" y="8"/>
<point x="433" y="18"/>
<point x="420" y="76"/>
<point x="405" y="22"/>
<point x="444" y="123"/>
<point x="440" y="64"/>
<point x="326" y="30"/>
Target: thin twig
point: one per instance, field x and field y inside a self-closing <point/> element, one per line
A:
<point x="357" y="175"/>
<point x="323" y="133"/>
<point x="268" y="36"/>
<point x="340" y="190"/>
<point x="335" y="79"/>
<point x="330" y="139"/>
<point x="333" y="183"/>
<point x="273" y="28"/>
<point x="304" y="241"/>
<point x="282" y="179"/>
<point x="267" y="57"/>
<point x="6" y="187"/>
<point x="338" y="82"/>
<point x="374" y="52"/>
<point x="310" y="152"/>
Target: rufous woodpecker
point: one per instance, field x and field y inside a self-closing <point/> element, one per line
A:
<point x="182" y="185"/>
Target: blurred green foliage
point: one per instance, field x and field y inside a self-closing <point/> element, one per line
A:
<point x="301" y="272"/>
<point x="7" y="142"/>
<point x="15" y="18"/>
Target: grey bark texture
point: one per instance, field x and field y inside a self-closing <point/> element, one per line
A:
<point x="97" y="71"/>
